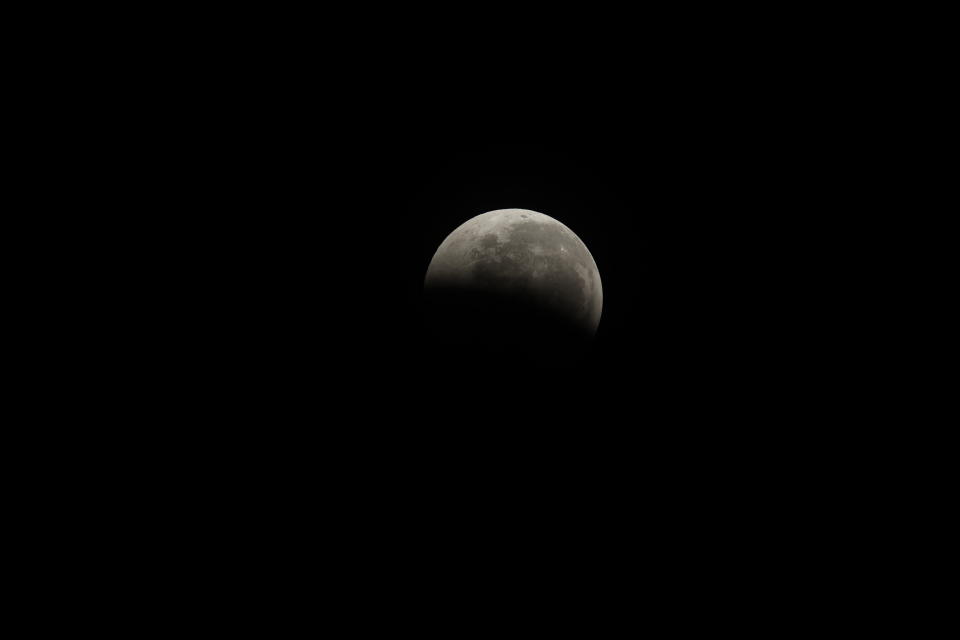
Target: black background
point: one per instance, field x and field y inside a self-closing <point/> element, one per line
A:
<point x="688" y="208"/>
<point x="694" y="210"/>
<point x="695" y="168"/>
<point x="690" y="188"/>
<point x="698" y="157"/>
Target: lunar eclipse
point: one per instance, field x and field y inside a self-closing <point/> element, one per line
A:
<point x="517" y="278"/>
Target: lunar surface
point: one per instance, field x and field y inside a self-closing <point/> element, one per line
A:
<point x="519" y="273"/>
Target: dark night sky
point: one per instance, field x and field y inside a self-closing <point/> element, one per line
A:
<point x="687" y="199"/>
<point x="691" y="165"/>
<point x="307" y="202"/>
<point x="664" y="433"/>
<point x="685" y="207"/>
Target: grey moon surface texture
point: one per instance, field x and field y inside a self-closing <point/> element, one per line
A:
<point x="524" y="255"/>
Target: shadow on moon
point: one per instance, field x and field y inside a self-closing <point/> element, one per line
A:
<point x="496" y="330"/>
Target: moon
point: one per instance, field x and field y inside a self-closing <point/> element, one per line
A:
<point x="519" y="272"/>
